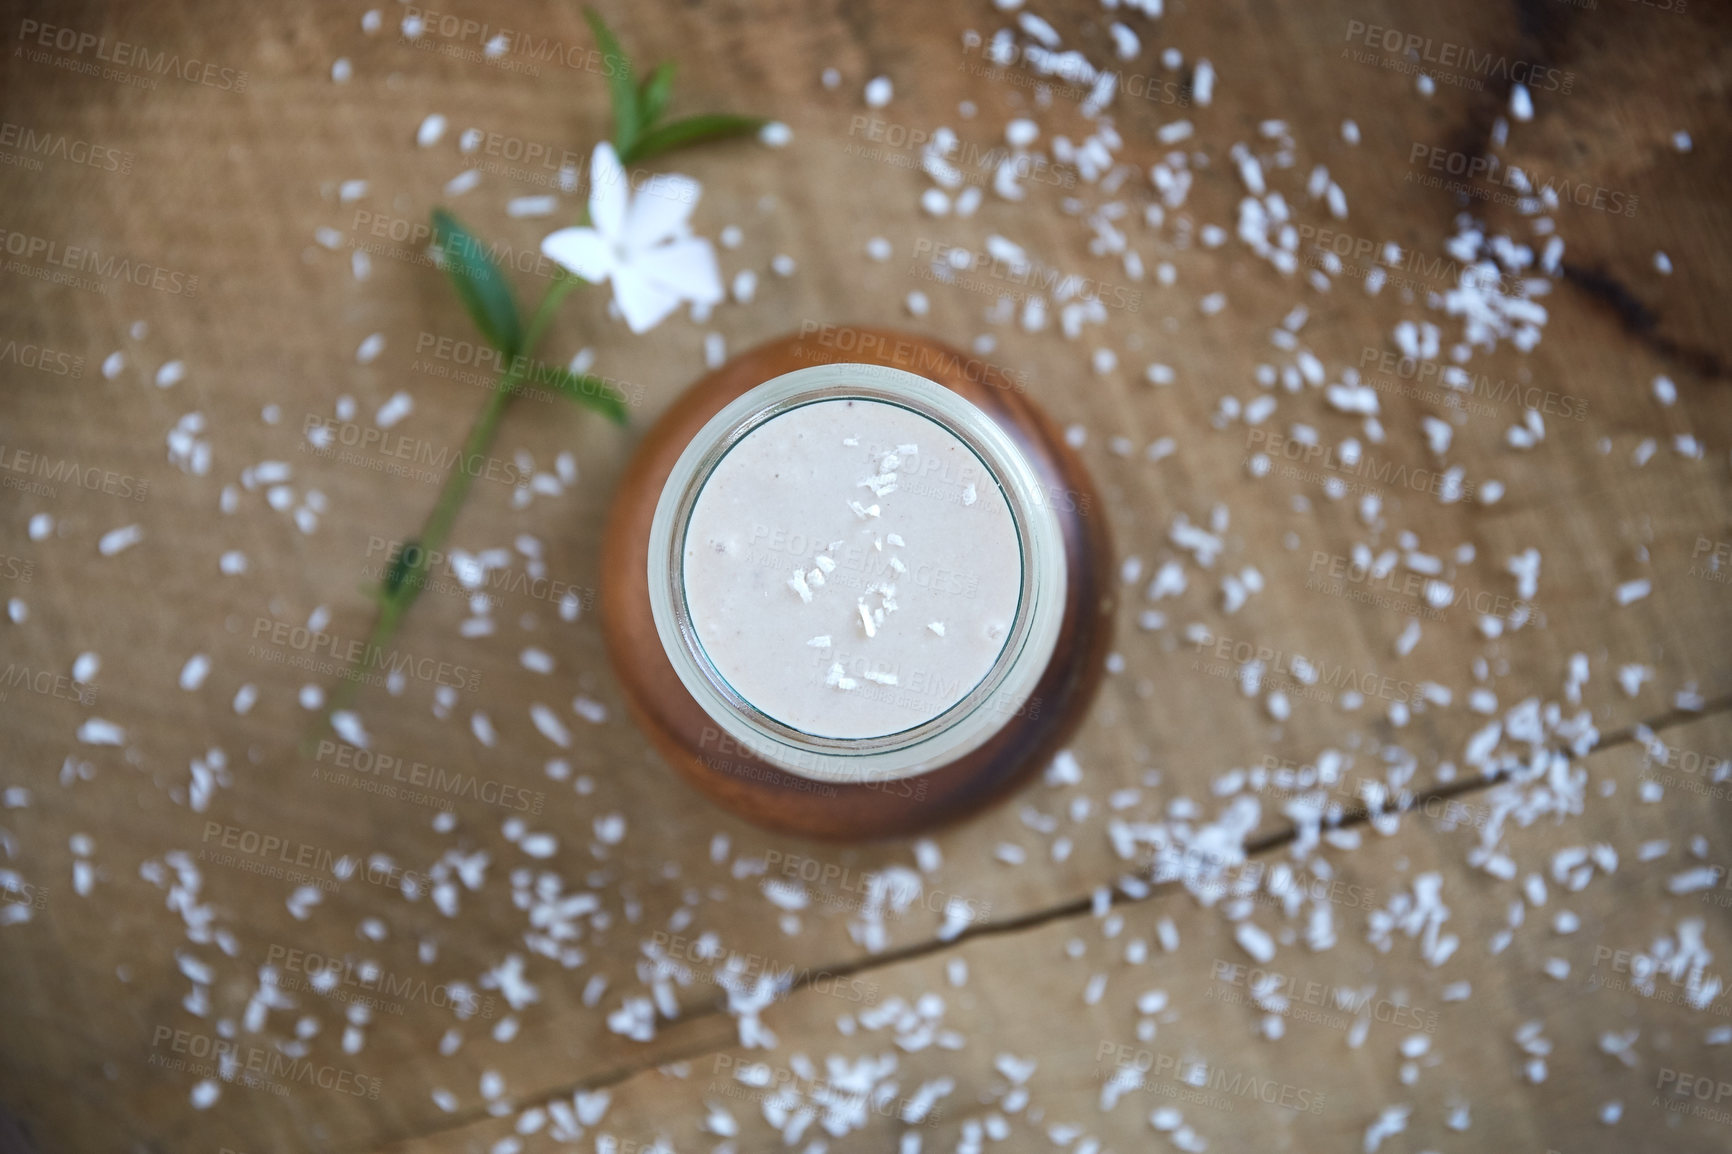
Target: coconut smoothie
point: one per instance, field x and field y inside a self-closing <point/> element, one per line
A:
<point x="852" y="569"/>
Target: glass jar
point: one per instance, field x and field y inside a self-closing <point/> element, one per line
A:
<point x="936" y="767"/>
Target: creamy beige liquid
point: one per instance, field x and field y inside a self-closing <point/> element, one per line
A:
<point x="852" y="569"/>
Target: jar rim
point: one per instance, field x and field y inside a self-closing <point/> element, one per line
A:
<point x="963" y="726"/>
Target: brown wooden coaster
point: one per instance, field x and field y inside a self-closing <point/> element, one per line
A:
<point x="755" y="789"/>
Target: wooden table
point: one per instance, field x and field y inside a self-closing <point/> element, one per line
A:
<point x="493" y="975"/>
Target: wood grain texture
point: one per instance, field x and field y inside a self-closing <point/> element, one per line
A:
<point x="234" y="187"/>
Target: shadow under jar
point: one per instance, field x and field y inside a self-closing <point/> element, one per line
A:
<point x="855" y="585"/>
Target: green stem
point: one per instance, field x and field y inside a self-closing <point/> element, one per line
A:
<point x="394" y="603"/>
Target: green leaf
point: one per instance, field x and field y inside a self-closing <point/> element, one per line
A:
<point x="653" y="99"/>
<point x="582" y="388"/>
<point x="480" y="285"/>
<point x="408" y="562"/>
<point x="695" y="130"/>
<point x="627" y="120"/>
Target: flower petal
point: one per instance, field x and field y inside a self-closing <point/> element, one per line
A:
<point x="582" y="250"/>
<point x="607" y="190"/>
<point x="659" y="210"/>
<point x="643" y="303"/>
<point x="686" y="267"/>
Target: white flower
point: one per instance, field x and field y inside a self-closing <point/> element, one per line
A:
<point x="641" y="243"/>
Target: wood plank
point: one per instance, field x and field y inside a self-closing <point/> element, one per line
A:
<point x="1367" y="1025"/>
